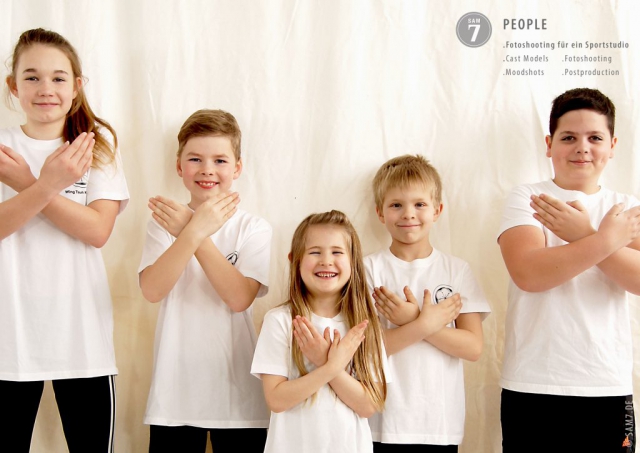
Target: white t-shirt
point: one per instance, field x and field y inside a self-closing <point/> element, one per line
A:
<point x="324" y="425"/>
<point x="56" y="318"/>
<point x="574" y="339"/>
<point x="203" y="350"/>
<point x="425" y="402"/>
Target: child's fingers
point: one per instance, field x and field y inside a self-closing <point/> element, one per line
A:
<point x="615" y="209"/>
<point x="87" y="158"/>
<point x="228" y="210"/>
<point x="299" y="341"/>
<point x="336" y="337"/>
<point x="382" y="310"/>
<point x="10" y="153"/>
<point x="426" y="299"/>
<point x="550" y="203"/>
<point x="80" y="145"/>
<point x="303" y="330"/>
<point x="541" y="207"/>
<point x="390" y="298"/>
<point x="379" y="296"/>
<point x="61" y="149"/>
<point x="456" y="304"/>
<point x="327" y="335"/>
<point x="634" y="212"/>
<point x="230" y="200"/>
<point x="160" y="220"/>
<point x="310" y="327"/>
<point x="164" y="202"/>
<point x="159" y="208"/>
<point x="224" y="199"/>
<point x="409" y="295"/>
<point x="576" y="205"/>
<point x="359" y="329"/>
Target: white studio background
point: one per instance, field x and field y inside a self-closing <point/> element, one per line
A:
<point x="325" y="91"/>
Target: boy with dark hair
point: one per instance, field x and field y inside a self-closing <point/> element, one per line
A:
<point x="572" y="249"/>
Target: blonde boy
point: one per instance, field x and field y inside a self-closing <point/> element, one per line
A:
<point x="572" y="249"/>
<point x="206" y="262"/>
<point x="424" y="410"/>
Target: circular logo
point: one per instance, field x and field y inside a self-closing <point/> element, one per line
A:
<point x="473" y="29"/>
<point x="442" y="292"/>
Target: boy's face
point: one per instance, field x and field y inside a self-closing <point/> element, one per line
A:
<point x="207" y="167"/>
<point x="408" y="213"/>
<point x="579" y="150"/>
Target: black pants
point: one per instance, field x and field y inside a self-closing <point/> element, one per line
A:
<point x="379" y="447"/>
<point x="87" y="409"/>
<point x="190" y="439"/>
<point x="548" y="423"/>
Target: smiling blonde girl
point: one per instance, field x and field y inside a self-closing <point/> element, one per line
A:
<point x="320" y="355"/>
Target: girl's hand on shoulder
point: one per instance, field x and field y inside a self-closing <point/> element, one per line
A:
<point x="68" y="163"/>
<point x="392" y="307"/>
<point x="172" y="216"/>
<point x="314" y="346"/>
<point x="212" y="214"/>
<point x="569" y="221"/>
<point x="14" y="170"/>
<point x="342" y="349"/>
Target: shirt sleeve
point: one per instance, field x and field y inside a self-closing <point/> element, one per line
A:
<point x="473" y="299"/>
<point x="254" y="255"/>
<point x="273" y="351"/>
<point x="157" y="241"/>
<point x="108" y="183"/>
<point x="517" y="211"/>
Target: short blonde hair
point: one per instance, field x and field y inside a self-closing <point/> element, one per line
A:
<point x="404" y="171"/>
<point x="205" y="123"/>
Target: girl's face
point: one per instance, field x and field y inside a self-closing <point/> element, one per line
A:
<point x="325" y="267"/>
<point x="45" y="85"/>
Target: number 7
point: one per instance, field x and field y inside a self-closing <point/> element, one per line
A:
<point x="475" y="32"/>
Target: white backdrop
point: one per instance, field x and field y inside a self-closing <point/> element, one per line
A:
<point x="325" y="91"/>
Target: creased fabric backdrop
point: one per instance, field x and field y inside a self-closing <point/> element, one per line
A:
<point x="325" y="91"/>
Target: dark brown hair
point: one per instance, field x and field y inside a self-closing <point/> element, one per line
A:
<point x="578" y="99"/>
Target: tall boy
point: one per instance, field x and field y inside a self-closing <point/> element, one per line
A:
<point x="206" y="262"/>
<point x="424" y="410"/>
<point x="572" y="250"/>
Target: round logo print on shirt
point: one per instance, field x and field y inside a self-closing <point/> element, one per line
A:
<point x="442" y="292"/>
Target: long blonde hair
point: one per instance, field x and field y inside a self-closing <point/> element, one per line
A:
<point x="355" y="304"/>
<point x="80" y="117"/>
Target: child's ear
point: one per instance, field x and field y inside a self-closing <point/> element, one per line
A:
<point x="380" y="214"/>
<point x="438" y="211"/>
<point x="179" y="167"/>
<point x="290" y="257"/>
<point x="11" y="83"/>
<point x="78" y="87"/>
<point x="238" y="170"/>
<point x="548" y="139"/>
<point x="614" y="141"/>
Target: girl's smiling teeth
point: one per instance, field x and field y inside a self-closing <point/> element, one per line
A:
<point x="326" y="274"/>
